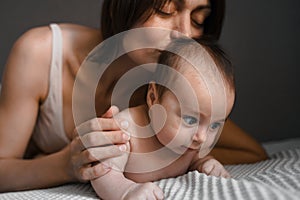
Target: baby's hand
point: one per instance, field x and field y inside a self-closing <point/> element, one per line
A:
<point x="148" y="191"/>
<point x="211" y="166"/>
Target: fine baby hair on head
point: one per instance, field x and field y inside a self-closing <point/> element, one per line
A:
<point x="221" y="60"/>
<point x="179" y="50"/>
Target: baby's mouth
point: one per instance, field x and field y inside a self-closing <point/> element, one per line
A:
<point x="190" y="148"/>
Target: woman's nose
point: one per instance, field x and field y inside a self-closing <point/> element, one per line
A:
<point x="182" y="26"/>
<point x="200" y="135"/>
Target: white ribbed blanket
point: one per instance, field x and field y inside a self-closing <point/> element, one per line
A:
<point x="276" y="178"/>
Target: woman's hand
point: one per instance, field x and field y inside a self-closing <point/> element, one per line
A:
<point x="96" y="140"/>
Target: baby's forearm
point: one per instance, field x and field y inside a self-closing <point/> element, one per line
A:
<point x="112" y="185"/>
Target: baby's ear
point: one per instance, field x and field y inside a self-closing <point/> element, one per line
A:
<point x="152" y="95"/>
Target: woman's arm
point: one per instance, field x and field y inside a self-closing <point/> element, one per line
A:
<point x="23" y="87"/>
<point x="235" y="146"/>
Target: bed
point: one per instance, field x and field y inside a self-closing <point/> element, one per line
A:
<point x="275" y="178"/>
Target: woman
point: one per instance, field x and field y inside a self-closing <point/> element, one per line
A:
<point x="36" y="96"/>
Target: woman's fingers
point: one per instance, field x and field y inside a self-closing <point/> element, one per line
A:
<point x="90" y="172"/>
<point x="98" y="139"/>
<point x="111" y="112"/>
<point x="100" y="153"/>
<point x="95" y="139"/>
<point x="82" y="163"/>
<point x="100" y="124"/>
<point x="76" y="145"/>
<point x="97" y="124"/>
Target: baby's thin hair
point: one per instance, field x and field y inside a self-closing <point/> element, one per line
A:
<point x="190" y="49"/>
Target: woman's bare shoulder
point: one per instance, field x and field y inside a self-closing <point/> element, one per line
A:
<point x="33" y="48"/>
<point x="79" y="37"/>
<point x="79" y="29"/>
<point x="38" y="41"/>
<point x="28" y="62"/>
<point x="30" y="56"/>
<point x="37" y="38"/>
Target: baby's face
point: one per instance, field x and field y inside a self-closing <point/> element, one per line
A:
<point x="192" y="125"/>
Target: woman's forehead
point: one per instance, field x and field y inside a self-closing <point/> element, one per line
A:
<point x="191" y="2"/>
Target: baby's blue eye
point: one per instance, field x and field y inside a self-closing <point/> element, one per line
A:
<point x="190" y="120"/>
<point x="215" y="126"/>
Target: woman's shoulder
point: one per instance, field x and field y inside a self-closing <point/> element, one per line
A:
<point x="79" y="30"/>
<point x="37" y="38"/>
<point x="80" y="38"/>
<point x="33" y="46"/>
<point x="28" y="61"/>
<point x="40" y="37"/>
<point x="77" y="39"/>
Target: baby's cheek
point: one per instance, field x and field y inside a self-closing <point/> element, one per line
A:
<point x="168" y="135"/>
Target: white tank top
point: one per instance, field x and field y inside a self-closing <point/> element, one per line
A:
<point x="49" y="134"/>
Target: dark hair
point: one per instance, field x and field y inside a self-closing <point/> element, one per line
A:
<point x="121" y="15"/>
<point x="213" y="23"/>
<point x="189" y="48"/>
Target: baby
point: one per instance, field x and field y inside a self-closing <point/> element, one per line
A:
<point x="187" y="103"/>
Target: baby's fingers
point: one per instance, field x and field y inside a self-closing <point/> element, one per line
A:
<point x="158" y="193"/>
<point x="214" y="168"/>
<point x="225" y="174"/>
<point x="208" y="168"/>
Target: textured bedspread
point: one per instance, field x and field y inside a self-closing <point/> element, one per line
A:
<point x="276" y="178"/>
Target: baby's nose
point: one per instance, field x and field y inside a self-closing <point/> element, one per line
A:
<point x="200" y="136"/>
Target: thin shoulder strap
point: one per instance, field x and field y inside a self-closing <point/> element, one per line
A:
<point x="55" y="90"/>
<point x="57" y="47"/>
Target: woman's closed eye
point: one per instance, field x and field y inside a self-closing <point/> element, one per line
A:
<point x="198" y="17"/>
<point x="167" y="10"/>
<point x="163" y="13"/>
<point x="197" y="24"/>
<point x="190" y="120"/>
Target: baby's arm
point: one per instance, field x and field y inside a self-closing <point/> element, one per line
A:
<point x="115" y="186"/>
<point x="210" y="166"/>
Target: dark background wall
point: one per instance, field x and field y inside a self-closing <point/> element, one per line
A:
<point x="262" y="38"/>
